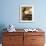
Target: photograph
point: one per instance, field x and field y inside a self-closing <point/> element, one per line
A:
<point x="22" y="23"/>
<point x="26" y="13"/>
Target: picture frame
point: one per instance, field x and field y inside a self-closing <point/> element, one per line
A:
<point x="26" y="13"/>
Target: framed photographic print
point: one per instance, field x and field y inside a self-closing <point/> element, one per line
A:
<point x="26" y="13"/>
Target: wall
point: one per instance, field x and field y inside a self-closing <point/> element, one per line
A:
<point x="9" y="13"/>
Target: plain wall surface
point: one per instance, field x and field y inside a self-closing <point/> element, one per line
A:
<point x="9" y="13"/>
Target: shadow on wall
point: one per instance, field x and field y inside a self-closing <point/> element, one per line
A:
<point x="2" y="26"/>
